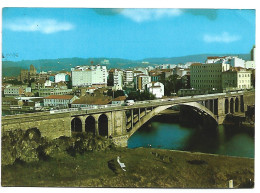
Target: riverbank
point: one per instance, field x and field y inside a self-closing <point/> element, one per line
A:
<point x="145" y="167"/>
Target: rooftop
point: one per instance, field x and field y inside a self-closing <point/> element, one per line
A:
<point x="120" y="98"/>
<point x="65" y="97"/>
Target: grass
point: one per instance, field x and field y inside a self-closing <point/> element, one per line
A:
<point x="145" y="168"/>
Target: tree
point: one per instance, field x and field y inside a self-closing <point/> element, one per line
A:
<point x="115" y="94"/>
<point x="140" y="96"/>
<point x="173" y="84"/>
<point x="69" y="83"/>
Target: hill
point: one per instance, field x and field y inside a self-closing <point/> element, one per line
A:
<point x="11" y="68"/>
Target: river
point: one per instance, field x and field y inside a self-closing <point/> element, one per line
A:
<point x="171" y="134"/>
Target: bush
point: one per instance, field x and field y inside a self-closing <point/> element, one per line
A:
<point x="29" y="146"/>
<point x="21" y="145"/>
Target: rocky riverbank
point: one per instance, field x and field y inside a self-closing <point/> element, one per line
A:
<point x="86" y="161"/>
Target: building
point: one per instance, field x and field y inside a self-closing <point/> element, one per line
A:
<point x="250" y="64"/>
<point x="141" y="81"/>
<point x="14" y="91"/>
<point x="24" y="75"/>
<point x="236" y="79"/>
<point x="155" y="75"/>
<point x="214" y="59"/>
<point x="48" y="83"/>
<point x="62" y="101"/>
<point x="181" y="71"/>
<point x="90" y="101"/>
<point x="119" y="100"/>
<point x="128" y="77"/>
<point x="156" y="88"/>
<point x="116" y="78"/>
<point x="44" y="92"/>
<point x="89" y="76"/>
<point x="33" y="72"/>
<point x="140" y="69"/>
<point x="61" y="77"/>
<point x="207" y="76"/>
<point x="237" y="62"/>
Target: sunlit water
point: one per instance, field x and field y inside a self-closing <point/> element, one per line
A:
<point x="228" y="140"/>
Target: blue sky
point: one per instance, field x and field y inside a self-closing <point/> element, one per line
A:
<point x="49" y="33"/>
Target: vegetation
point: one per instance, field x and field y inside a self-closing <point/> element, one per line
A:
<point x="14" y="82"/>
<point x="28" y="146"/>
<point x="140" y="96"/>
<point x="145" y="167"/>
<point x="172" y="84"/>
<point x="115" y="94"/>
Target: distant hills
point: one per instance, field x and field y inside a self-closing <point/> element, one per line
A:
<point x="11" y="68"/>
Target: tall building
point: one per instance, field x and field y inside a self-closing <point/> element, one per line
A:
<point x="237" y="62"/>
<point x="33" y="70"/>
<point x="252" y="53"/>
<point x="141" y="81"/>
<point x="89" y="75"/>
<point x="116" y="78"/>
<point x="128" y="77"/>
<point x="207" y="77"/>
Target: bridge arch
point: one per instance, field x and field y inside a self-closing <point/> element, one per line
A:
<point x="90" y="124"/>
<point x="103" y="125"/>
<point x="76" y="125"/>
<point x="157" y="110"/>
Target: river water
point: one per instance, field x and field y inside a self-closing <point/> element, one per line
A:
<point x="224" y="140"/>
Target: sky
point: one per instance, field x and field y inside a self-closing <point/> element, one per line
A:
<point x="50" y="33"/>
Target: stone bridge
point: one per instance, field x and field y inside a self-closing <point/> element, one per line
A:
<point x="120" y="122"/>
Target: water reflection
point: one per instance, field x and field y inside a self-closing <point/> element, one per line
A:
<point x="228" y="140"/>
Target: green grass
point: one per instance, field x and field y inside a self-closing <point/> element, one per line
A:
<point x="145" y="168"/>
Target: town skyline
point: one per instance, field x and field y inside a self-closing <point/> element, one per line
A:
<point x="124" y="33"/>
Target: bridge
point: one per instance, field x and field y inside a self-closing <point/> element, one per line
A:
<point x="120" y="122"/>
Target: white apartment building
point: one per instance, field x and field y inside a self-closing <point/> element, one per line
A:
<point x="141" y="81"/>
<point x="60" y="77"/>
<point x="59" y="100"/>
<point x="128" y="77"/>
<point x="47" y="83"/>
<point x="156" y="88"/>
<point x="250" y="64"/>
<point x="89" y="75"/>
<point x="237" y="62"/>
<point x="236" y="79"/>
<point x="116" y="76"/>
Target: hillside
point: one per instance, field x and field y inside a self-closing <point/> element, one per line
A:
<point x="11" y="68"/>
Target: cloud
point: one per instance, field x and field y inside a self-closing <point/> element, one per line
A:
<point x="141" y="15"/>
<point x="46" y="26"/>
<point x="225" y="37"/>
<point x="209" y="13"/>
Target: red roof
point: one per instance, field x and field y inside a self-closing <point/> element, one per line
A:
<point x="65" y="97"/>
<point x="120" y="98"/>
<point x="215" y="57"/>
<point x="196" y="64"/>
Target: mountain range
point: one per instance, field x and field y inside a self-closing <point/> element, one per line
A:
<point x="12" y="68"/>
